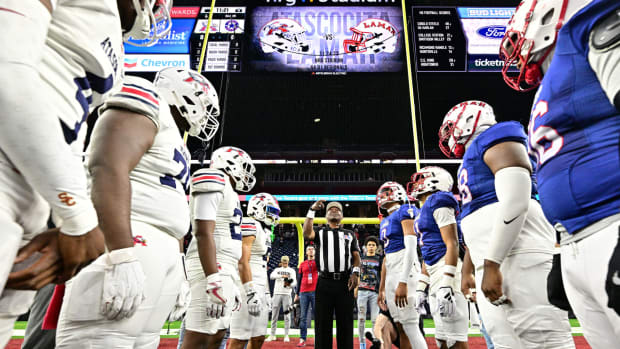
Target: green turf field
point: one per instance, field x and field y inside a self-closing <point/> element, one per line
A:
<point x="175" y="325"/>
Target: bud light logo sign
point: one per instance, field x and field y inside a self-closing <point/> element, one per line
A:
<point x="492" y="31"/>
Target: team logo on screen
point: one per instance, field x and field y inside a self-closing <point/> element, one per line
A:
<point x="492" y="31"/>
<point x="283" y="35"/>
<point x="372" y="35"/>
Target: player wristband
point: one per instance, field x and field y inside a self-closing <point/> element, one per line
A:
<point x="310" y="214"/>
<point x="122" y="255"/>
<point x="356" y="270"/>
<point x="248" y="287"/>
<point x="81" y="223"/>
<point x="447" y="280"/>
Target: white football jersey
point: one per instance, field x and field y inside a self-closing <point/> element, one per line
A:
<point x="258" y="258"/>
<point x="82" y="62"/>
<point x="159" y="180"/>
<point x="227" y="234"/>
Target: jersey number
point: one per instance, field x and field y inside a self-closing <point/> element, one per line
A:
<point x="383" y="236"/>
<point x="545" y="142"/>
<point x="463" y="188"/>
<point x="235" y="227"/>
<point x="182" y="176"/>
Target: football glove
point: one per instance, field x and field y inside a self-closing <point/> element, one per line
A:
<point x="123" y="284"/>
<point x="253" y="301"/>
<point x="216" y="303"/>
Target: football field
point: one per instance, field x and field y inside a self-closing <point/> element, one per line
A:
<point x="170" y="334"/>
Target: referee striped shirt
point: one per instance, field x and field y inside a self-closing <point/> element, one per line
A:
<point x="334" y="248"/>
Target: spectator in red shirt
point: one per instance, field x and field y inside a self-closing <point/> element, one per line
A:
<point x="308" y="276"/>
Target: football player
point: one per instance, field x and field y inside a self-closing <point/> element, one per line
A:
<point x="217" y="220"/>
<point x="67" y="65"/>
<point x="398" y="283"/>
<point x="504" y="227"/>
<point x="570" y="50"/>
<point x="250" y="322"/>
<point x="140" y="170"/>
<point x="438" y="231"/>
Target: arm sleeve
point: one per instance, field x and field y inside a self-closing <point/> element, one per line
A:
<point x="411" y="255"/>
<point x="604" y="56"/>
<point x="39" y="152"/>
<point x="444" y="216"/>
<point x="294" y="277"/>
<point x="205" y="205"/>
<point x="513" y="189"/>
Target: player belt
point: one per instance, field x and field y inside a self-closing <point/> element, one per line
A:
<point x="335" y="276"/>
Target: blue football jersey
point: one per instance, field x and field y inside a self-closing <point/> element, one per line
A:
<point x="431" y="243"/>
<point x="475" y="180"/>
<point x="391" y="229"/>
<point x="573" y="131"/>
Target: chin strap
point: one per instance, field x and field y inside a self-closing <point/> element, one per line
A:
<point x="393" y="208"/>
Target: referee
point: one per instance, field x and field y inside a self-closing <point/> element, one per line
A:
<point x="338" y="260"/>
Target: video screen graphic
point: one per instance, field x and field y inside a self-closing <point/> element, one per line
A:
<point x="183" y="45"/>
<point x="459" y="39"/>
<point x="224" y="46"/>
<point x="325" y="39"/>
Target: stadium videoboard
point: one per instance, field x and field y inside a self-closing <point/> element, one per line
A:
<point x="459" y="39"/>
<point x="326" y="39"/>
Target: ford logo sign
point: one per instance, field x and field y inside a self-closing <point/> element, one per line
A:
<point x="492" y="31"/>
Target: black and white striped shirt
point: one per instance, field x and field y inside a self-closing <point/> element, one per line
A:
<point x="334" y="248"/>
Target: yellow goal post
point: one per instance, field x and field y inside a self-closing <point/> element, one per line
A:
<point x="299" y="221"/>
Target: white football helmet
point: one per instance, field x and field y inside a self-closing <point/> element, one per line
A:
<point x="264" y="208"/>
<point x="283" y="35"/>
<point x="372" y="36"/>
<point x="390" y="192"/>
<point x="195" y="98"/>
<point x="460" y="125"/>
<point x="153" y="22"/>
<point x="530" y="39"/>
<point x="237" y="164"/>
<point x="430" y="179"/>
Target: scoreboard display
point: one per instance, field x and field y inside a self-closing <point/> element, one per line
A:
<point x="459" y="39"/>
<point x="224" y="47"/>
<point x="183" y="44"/>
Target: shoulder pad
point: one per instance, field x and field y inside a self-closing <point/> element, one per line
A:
<point x="248" y="226"/>
<point x="137" y="95"/>
<point x="444" y="199"/>
<point x="408" y="211"/>
<point x="509" y="131"/>
<point x="606" y="33"/>
<point x="208" y="180"/>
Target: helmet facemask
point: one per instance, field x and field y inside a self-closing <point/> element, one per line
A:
<point x="264" y="208"/>
<point x="194" y="97"/>
<point x="429" y="179"/>
<point x="530" y="41"/>
<point x="390" y="192"/>
<point x="458" y="130"/>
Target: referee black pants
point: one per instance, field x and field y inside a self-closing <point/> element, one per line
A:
<point x="333" y="296"/>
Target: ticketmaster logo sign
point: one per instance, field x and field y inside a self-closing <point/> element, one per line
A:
<point x="339" y="2"/>
<point x="155" y="63"/>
